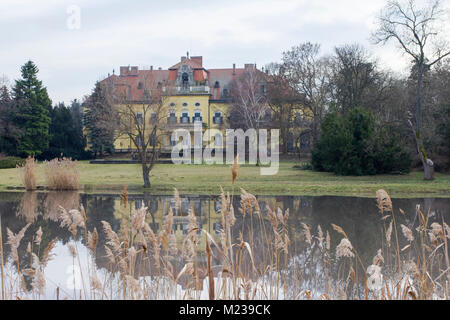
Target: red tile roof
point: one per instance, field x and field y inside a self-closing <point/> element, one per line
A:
<point x="133" y="81"/>
<point x="193" y="63"/>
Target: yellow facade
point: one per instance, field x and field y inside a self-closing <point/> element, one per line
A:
<point x="181" y="105"/>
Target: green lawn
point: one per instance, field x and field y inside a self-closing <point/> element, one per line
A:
<point x="207" y="179"/>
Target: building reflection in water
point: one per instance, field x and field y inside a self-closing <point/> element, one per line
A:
<point x="359" y="218"/>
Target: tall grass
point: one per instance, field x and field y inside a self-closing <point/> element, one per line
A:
<point x="28" y="173"/>
<point x="62" y="174"/>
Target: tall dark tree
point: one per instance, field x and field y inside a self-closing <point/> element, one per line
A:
<point x="356" y="80"/>
<point x="65" y="139"/>
<point x="77" y="116"/>
<point x="98" y="116"/>
<point x="33" y="107"/>
<point x="9" y="133"/>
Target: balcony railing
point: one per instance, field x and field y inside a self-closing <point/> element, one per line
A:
<point x="172" y="120"/>
<point x="193" y="89"/>
<point x="184" y="119"/>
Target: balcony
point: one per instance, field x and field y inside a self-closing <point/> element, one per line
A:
<point x="184" y="124"/>
<point x="172" y="120"/>
<point x="193" y="90"/>
<point x="184" y="119"/>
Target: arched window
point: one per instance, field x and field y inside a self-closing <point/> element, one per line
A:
<point x="172" y="117"/>
<point x="184" y="116"/>
<point x="197" y="116"/>
<point x="217" y="85"/>
<point x="218" y="140"/>
<point x="218" y="119"/>
<point x="185" y="79"/>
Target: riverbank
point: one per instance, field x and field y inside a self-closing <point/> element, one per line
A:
<point x="207" y="179"/>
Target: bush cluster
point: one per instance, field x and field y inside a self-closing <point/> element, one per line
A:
<point x="351" y="145"/>
<point x="11" y="162"/>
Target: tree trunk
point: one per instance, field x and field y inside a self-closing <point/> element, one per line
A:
<point x="420" y="70"/>
<point x="428" y="170"/>
<point x="428" y="165"/>
<point x="146" y="175"/>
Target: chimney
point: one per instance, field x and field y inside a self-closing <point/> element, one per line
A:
<point x="134" y="71"/>
<point x="124" y="70"/>
<point x="249" y="66"/>
<point x="198" y="59"/>
<point x="234" y="69"/>
<point x="151" y="68"/>
<point x="159" y="68"/>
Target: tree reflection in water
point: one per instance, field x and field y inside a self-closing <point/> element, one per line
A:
<point x="359" y="217"/>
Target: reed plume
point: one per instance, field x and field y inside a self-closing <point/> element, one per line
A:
<point x="234" y="169"/>
<point x="62" y="174"/>
<point x="28" y="173"/>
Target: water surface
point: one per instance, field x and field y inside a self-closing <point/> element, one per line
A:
<point x="359" y="217"/>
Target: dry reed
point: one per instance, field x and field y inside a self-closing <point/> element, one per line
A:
<point x="62" y="174"/>
<point x="148" y="264"/>
<point x="28" y="174"/>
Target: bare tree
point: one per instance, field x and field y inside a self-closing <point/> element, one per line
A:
<point x="308" y="74"/>
<point x="142" y="123"/>
<point x="415" y="29"/>
<point x="284" y="101"/>
<point x="356" y="81"/>
<point x="249" y="100"/>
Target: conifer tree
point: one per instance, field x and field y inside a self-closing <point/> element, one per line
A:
<point x="98" y="117"/>
<point x="9" y="133"/>
<point x="32" y="116"/>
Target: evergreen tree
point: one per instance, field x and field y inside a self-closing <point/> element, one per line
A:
<point x="77" y="116"/>
<point x="33" y="107"/>
<point x="350" y="145"/>
<point x="9" y="133"/>
<point x="98" y="117"/>
<point x="65" y="139"/>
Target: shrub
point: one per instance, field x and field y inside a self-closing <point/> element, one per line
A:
<point x="11" y="162"/>
<point x="62" y="174"/>
<point x="28" y="173"/>
<point x="350" y="146"/>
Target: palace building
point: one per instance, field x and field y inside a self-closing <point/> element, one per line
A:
<point x="196" y="94"/>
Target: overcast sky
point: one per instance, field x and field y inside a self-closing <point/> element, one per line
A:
<point x="143" y="33"/>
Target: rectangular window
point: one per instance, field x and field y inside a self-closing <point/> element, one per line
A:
<point x="139" y="118"/>
<point x="153" y="118"/>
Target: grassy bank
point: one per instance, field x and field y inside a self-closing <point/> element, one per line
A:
<point x="207" y="179"/>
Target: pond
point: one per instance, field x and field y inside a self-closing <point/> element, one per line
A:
<point x="68" y="274"/>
